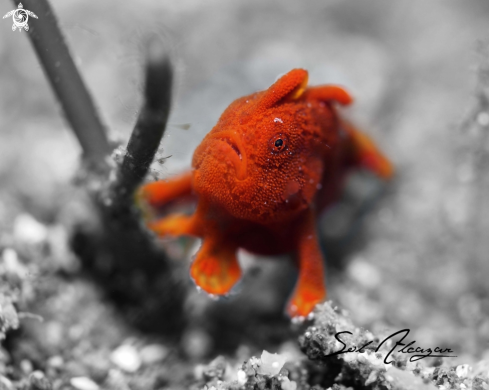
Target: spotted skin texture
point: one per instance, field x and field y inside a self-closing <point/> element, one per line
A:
<point x="272" y="163"/>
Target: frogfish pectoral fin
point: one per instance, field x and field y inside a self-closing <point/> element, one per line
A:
<point x="215" y="268"/>
<point x="175" y="225"/>
<point x="365" y="153"/>
<point x="159" y="193"/>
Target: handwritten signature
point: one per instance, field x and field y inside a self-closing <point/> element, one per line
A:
<point x="418" y="352"/>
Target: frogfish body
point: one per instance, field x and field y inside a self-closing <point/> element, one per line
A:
<point x="272" y="163"/>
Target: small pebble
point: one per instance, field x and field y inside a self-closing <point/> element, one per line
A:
<point x="462" y="371"/>
<point x="38" y="381"/>
<point x="83" y="383"/>
<point x="153" y="353"/>
<point x="116" y="380"/>
<point x="26" y="366"/>
<point x="126" y="357"/>
<point x="27" y="229"/>
<point x="271" y="363"/>
<point x="483" y="118"/>
<point x="5" y="383"/>
<point x="12" y="264"/>
<point x="9" y="316"/>
<point x="364" y="273"/>
<point x="196" y="343"/>
<point x="287" y="384"/>
<point x="199" y="372"/>
<point x="55" y="361"/>
<point x="242" y="377"/>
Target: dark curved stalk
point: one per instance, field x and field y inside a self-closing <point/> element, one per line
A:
<point x="151" y="122"/>
<point x="134" y="272"/>
<point x="122" y="256"/>
<point x="54" y="56"/>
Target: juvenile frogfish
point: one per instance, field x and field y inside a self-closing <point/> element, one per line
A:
<point x="261" y="176"/>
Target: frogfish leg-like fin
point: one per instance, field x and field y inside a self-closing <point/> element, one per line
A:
<point x="215" y="268"/>
<point x="364" y="152"/>
<point x="161" y="192"/>
<point x="310" y="288"/>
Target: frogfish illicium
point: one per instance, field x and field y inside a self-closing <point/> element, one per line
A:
<point x="261" y="176"/>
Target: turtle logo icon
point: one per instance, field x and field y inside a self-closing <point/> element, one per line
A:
<point x="20" y="16"/>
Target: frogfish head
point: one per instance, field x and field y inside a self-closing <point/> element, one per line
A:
<point x="264" y="159"/>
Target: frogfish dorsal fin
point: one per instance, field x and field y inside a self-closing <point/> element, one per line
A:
<point x="288" y="87"/>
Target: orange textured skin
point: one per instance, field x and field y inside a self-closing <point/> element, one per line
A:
<point x="273" y="161"/>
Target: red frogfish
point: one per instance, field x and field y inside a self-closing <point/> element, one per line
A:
<point x="271" y="164"/>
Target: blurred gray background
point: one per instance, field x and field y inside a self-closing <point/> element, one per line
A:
<point x="411" y="66"/>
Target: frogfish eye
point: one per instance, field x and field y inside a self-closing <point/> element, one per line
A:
<point x="278" y="143"/>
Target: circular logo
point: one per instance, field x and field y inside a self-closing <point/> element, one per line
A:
<point x="20" y="17"/>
